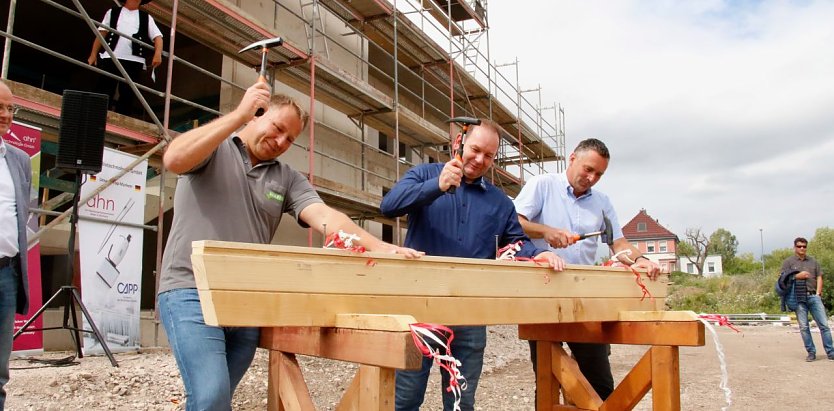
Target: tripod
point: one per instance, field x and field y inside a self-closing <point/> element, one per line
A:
<point x="71" y="293"/>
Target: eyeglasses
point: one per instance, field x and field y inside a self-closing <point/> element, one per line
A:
<point x="9" y="109"/>
<point x="801" y="246"/>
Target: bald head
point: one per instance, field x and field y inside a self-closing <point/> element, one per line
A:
<point x="6" y="108"/>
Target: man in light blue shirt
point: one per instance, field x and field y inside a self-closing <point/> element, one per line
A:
<point x="552" y="209"/>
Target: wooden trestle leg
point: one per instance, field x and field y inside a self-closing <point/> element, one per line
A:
<point x="379" y="353"/>
<point x="658" y="369"/>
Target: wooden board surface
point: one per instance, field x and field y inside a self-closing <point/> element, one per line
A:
<point x="271" y="285"/>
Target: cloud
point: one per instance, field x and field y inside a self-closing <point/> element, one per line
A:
<point x="717" y="113"/>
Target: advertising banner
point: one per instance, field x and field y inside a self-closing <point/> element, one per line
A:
<point x="28" y="139"/>
<point x="111" y="253"/>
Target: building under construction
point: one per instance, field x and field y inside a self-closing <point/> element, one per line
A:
<point x="380" y="79"/>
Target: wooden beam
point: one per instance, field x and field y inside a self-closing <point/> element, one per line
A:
<point x="261" y="309"/>
<point x="666" y="378"/>
<point x="270" y="285"/>
<point x="255" y="267"/>
<point x="352" y="274"/>
<point x="350" y="399"/>
<point x="378" y="348"/>
<point x="659" y="316"/>
<point x="376" y="388"/>
<point x="379" y="322"/>
<point x="633" y="332"/>
<point x="547" y="386"/>
<point x="577" y="388"/>
<point x="291" y="393"/>
<point x="632" y="388"/>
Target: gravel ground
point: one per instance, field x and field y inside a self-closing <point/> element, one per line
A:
<point x="760" y="361"/>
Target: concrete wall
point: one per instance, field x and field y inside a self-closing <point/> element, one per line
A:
<point x="336" y="135"/>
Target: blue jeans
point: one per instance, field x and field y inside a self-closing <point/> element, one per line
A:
<point x="468" y="348"/>
<point x="8" y="305"/>
<point x="817" y="310"/>
<point x="212" y="360"/>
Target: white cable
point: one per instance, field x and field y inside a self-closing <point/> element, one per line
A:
<point x="719" y="349"/>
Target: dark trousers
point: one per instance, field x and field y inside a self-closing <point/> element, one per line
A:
<point x="127" y="102"/>
<point x="593" y="362"/>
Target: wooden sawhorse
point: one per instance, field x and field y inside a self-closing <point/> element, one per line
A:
<point x="381" y="352"/>
<point x="657" y="370"/>
<point x="378" y="353"/>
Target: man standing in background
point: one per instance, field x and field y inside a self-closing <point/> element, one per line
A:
<point x="809" y="277"/>
<point x="15" y="186"/>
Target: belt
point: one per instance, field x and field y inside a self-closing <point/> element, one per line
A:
<point x="6" y="261"/>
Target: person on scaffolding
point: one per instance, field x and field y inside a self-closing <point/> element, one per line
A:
<point x="552" y="208"/>
<point x="127" y="19"/>
<point x="463" y="224"/>
<point x="232" y="187"/>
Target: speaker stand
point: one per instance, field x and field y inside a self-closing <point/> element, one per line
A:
<point x="72" y="297"/>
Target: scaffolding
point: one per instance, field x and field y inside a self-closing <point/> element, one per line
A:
<point x="394" y="71"/>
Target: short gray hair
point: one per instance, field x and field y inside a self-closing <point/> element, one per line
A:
<point x="594" y="145"/>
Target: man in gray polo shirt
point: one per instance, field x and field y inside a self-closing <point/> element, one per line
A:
<point x="232" y="188"/>
<point x="808" y="271"/>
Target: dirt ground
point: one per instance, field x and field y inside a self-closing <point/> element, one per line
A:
<point x="763" y="362"/>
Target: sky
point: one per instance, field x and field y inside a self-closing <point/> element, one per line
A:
<point x="717" y="114"/>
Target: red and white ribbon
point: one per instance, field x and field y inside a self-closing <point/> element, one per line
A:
<point x="344" y="241"/>
<point x="435" y="342"/>
<point x="614" y="261"/>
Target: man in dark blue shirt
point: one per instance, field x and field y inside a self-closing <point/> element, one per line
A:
<point x="464" y="224"/>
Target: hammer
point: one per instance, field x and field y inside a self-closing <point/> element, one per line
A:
<point x="264" y="45"/>
<point x="464" y="123"/>
<point x="607" y="233"/>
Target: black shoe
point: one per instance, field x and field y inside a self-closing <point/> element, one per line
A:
<point x="811" y="357"/>
<point x="831" y="357"/>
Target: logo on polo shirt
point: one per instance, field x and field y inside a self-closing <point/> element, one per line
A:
<point x="277" y="197"/>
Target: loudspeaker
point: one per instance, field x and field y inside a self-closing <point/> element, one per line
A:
<point x="81" y="133"/>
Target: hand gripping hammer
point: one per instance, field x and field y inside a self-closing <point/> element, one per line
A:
<point x="607" y="233"/>
<point x="464" y="123"/>
<point x="264" y="45"/>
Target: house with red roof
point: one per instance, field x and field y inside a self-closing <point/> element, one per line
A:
<point x="655" y="241"/>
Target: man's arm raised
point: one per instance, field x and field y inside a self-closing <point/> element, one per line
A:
<point x="191" y="148"/>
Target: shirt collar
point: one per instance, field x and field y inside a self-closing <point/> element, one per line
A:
<point x="480" y="182"/>
<point x="245" y="153"/>
<point x="569" y="188"/>
<point x="2" y="148"/>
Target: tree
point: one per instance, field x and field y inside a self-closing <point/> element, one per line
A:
<point x="694" y="248"/>
<point x="725" y="244"/>
<point x="821" y="247"/>
<point x="743" y="263"/>
<point x="774" y="260"/>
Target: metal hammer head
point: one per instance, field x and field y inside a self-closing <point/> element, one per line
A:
<point x="470" y="121"/>
<point x="608" y="231"/>
<point x="263" y="44"/>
